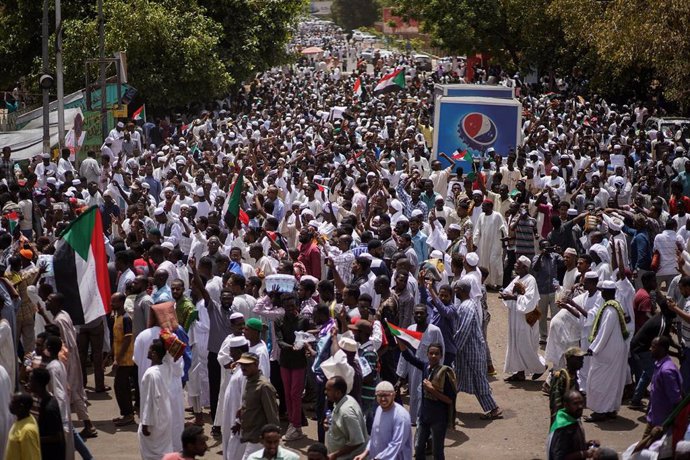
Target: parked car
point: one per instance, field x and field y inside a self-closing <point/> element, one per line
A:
<point x="672" y="127"/>
<point x="358" y="35"/>
<point x="422" y="62"/>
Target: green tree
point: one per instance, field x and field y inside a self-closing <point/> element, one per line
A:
<point x="255" y="32"/>
<point x="517" y="32"/>
<point x="631" y="46"/>
<point x="20" y="35"/>
<point x="351" y="14"/>
<point x="173" y="53"/>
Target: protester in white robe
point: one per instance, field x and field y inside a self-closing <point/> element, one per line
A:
<point x="489" y="231"/>
<point x="155" y="415"/>
<point x="472" y="274"/>
<point x="231" y="401"/>
<point x="197" y="386"/>
<point x="432" y="334"/>
<point x="608" y="365"/>
<point x="6" y="419"/>
<point x="176" y="400"/>
<point x="8" y="355"/>
<point x="565" y="329"/>
<point x="590" y="302"/>
<point x="521" y="297"/>
<point x="141" y="349"/>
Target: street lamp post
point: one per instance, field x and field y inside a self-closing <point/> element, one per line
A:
<point x="46" y="80"/>
<point x="58" y="73"/>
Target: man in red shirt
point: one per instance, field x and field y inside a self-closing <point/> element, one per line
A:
<point x="643" y="305"/>
<point x="309" y="252"/>
<point x="677" y="199"/>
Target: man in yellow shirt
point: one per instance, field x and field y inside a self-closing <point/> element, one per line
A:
<point x="24" y="440"/>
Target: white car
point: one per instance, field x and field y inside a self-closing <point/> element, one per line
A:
<point x="358" y="35"/>
<point x="422" y="62"/>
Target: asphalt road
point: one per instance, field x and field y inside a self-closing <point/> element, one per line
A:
<point x="521" y="434"/>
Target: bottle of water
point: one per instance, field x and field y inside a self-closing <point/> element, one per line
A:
<point x="329" y="416"/>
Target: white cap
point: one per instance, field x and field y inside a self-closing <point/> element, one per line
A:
<point x="120" y="124"/>
<point x="237" y="341"/>
<point x="524" y="260"/>
<point x="472" y="259"/>
<point x="168" y="245"/>
<point x="570" y="251"/>
<point x="347" y="344"/>
<point x="416" y="213"/>
<point x="236" y="315"/>
<point x="477" y="192"/>
<point x="615" y="224"/>
<point x="454" y="227"/>
<point x="200" y="192"/>
<point x="158" y="212"/>
<point x="608" y="284"/>
<point x="591" y="275"/>
<point x="436" y="254"/>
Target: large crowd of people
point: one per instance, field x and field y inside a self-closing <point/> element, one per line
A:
<point x="357" y="274"/>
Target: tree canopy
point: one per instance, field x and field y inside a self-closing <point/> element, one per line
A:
<point x="177" y="53"/>
<point x="621" y="47"/>
<point x="351" y="14"/>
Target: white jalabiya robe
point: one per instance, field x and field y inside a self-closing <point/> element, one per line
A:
<point x="564" y="332"/>
<point x="6" y="419"/>
<point x="155" y="413"/>
<point x="197" y="386"/>
<point x="231" y="402"/>
<point x="223" y="359"/>
<point x="176" y="399"/>
<point x="591" y="305"/>
<point x="56" y="386"/>
<point x="414" y="375"/>
<point x="8" y="355"/>
<point x="608" y="365"/>
<point x="522" y="353"/>
<point x="488" y="231"/>
<point x="625" y="294"/>
<point x="141" y="349"/>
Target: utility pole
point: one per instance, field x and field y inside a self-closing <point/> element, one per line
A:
<point x="101" y="56"/>
<point x="58" y="73"/>
<point x="45" y="81"/>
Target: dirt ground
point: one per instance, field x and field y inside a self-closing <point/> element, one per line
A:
<point x="521" y="434"/>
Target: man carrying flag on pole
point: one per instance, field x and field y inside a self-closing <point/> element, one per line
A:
<point x="140" y="113"/>
<point x="391" y="82"/>
<point x="462" y="155"/>
<point x="406" y="371"/>
<point x="232" y="210"/>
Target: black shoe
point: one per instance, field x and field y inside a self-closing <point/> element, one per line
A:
<point x="215" y="432"/>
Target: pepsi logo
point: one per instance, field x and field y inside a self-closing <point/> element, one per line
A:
<point x="477" y="130"/>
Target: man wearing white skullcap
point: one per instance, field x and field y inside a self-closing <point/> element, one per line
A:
<point x="521" y="297"/>
<point x="608" y="362"/>
<point x="391" y="432"/>
<point x="231" y="398"/>
<point x="489" y="231"/>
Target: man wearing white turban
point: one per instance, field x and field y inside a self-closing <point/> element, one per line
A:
<point x="521" y="297"/>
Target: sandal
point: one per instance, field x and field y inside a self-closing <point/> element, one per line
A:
<point x="493" y="415"/>
<point x="595" y="417"/>
<point x="86" y="434"/>
<point x="517" y="377"/>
